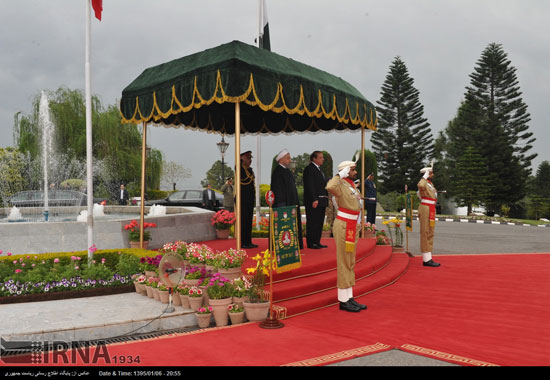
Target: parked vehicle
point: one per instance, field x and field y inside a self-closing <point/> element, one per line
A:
<point x="189" y="198"/>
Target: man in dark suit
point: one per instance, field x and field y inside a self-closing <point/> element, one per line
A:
<point x="370" y="199"/>
<point x="315" y="200"/>
<point x="284" y="188"/>
<point x="208" y="198"/>
<point x="123" y="196"/>
<point x="248" y="200"/>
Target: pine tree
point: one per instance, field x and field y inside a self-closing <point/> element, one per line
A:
<point x="494" y="120"/>
<point x="469" y="180"/>
<point x="403" y="143"/>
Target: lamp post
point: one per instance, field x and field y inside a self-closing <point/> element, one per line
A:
<point x="222" y="146"/>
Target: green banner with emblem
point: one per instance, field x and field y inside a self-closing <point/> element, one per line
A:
<point x="285" y="238"/>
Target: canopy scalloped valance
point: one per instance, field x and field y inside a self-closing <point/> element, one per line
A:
<point x="277" y="94"/>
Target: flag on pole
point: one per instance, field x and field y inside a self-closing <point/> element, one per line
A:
<point x="264" y="42"/>
<point x="98" y="7"/>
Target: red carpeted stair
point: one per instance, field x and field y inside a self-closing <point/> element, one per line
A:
<point x="313" y="286"/>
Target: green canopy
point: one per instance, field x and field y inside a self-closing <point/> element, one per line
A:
<point x="276" y="94"/>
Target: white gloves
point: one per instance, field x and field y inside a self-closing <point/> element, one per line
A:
<point x="426" y="174"/>
<point x="344" y="172"/>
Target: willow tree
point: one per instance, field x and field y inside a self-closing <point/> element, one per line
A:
<point x="116" y="148"/>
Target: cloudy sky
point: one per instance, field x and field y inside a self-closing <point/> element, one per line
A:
<point x="42" y="48"/>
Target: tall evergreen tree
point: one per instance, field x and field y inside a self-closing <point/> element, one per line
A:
<point x="403" y="143"/>
<point x="470" y="179"/>
<point x="494" y="120"/>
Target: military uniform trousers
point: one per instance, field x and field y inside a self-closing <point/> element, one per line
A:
<point x="345" y="261"/>
<point x="426" y="231"/>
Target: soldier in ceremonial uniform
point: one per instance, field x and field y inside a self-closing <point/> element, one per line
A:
<point x="426" y="215"/>
<point x="248" y="200"/>
<point x="346" y="230"/>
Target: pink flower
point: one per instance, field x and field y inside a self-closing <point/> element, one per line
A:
<point x="18" y="271"/>
<point x="55" y="261"/>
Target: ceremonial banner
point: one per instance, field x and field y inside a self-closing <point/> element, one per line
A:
<point x="409" y="212"/>
<point x="285" y="238"/>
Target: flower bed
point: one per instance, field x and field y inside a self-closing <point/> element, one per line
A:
<point x="27" y="278"/>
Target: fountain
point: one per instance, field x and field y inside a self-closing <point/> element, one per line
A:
<point x="46" y="219"/>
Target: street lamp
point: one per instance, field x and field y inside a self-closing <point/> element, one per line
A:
<point x="222" y="146"/>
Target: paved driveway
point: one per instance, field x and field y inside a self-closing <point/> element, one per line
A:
<point x="467" y="238"/>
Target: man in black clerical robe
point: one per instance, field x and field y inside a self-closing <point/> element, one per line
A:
<point x="284" y="188"/>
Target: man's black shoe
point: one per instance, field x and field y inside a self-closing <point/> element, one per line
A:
<point x="254" y="245"/>
<point x="248" y="246"/>
<point x="348" y="306"/>
<point x="430" y="263"/>
<point x="314" y="246"/>
<point x="322" y="246"/>
<point x="357" y="304"/>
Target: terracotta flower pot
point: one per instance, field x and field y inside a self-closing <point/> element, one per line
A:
<point x="256" y="311"/>
<point x="149" y="291"/>
<point x="176" y="299"/>
<point x="236" y="318"/>
<point x="219" y="311"/>
<point x="156" y="294"/>
<point x="191" y="282"/>
<point x="222" y="234"/>
<point x="203" y="320"/>
<point x="195" y="303"/>
<point x="164" y="296"/>
<point x="230" y="273"/>
<point x="240" y="300"/>
<point x="140" y="288"/>
<point x="185" y="301"/>
<point x="135" y="244"/>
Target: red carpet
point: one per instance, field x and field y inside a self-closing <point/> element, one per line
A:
<point x="473" y="310"/>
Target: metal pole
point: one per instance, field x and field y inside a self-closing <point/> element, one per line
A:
<point x="143" y="163"/>
<point x="89" y="170"/>
<point x="238" y="174"/>
<point x="363" y="180"/>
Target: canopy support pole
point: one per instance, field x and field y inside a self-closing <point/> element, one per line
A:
<point x="238" y="220"/>
<point x="363" y="180"/>
<point x="143" y="161"/>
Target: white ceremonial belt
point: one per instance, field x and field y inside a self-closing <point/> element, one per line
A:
<point x="428" y="202"/>
<point x="345" y="215"/>
<point x="371" y="199"/>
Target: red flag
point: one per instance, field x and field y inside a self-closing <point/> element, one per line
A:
<point x="98" y="7"/>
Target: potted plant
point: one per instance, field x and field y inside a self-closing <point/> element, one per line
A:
<point x="241" y="288"/>
<point x="222" y="222"/>
<point x="163" y="292"/>
<point x="183" y="293"/>
<point x="139" y="283"/>
<point x="229" y="263"/>
<point x="257" y="306"/>
<point x="236" y="313"/>
<point x="134" y="233"/>
<point x="149" y="265"/>
<point x="396" y="235"/>
<point x="382" y="238"/>
<point x="204" y="315"/>
<point x="195" y="298"/>
<point x="370" y="230"/>
<point x="150" y="285"/>
<point x="220" y="293"/>
<point x="194" y="275"/>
